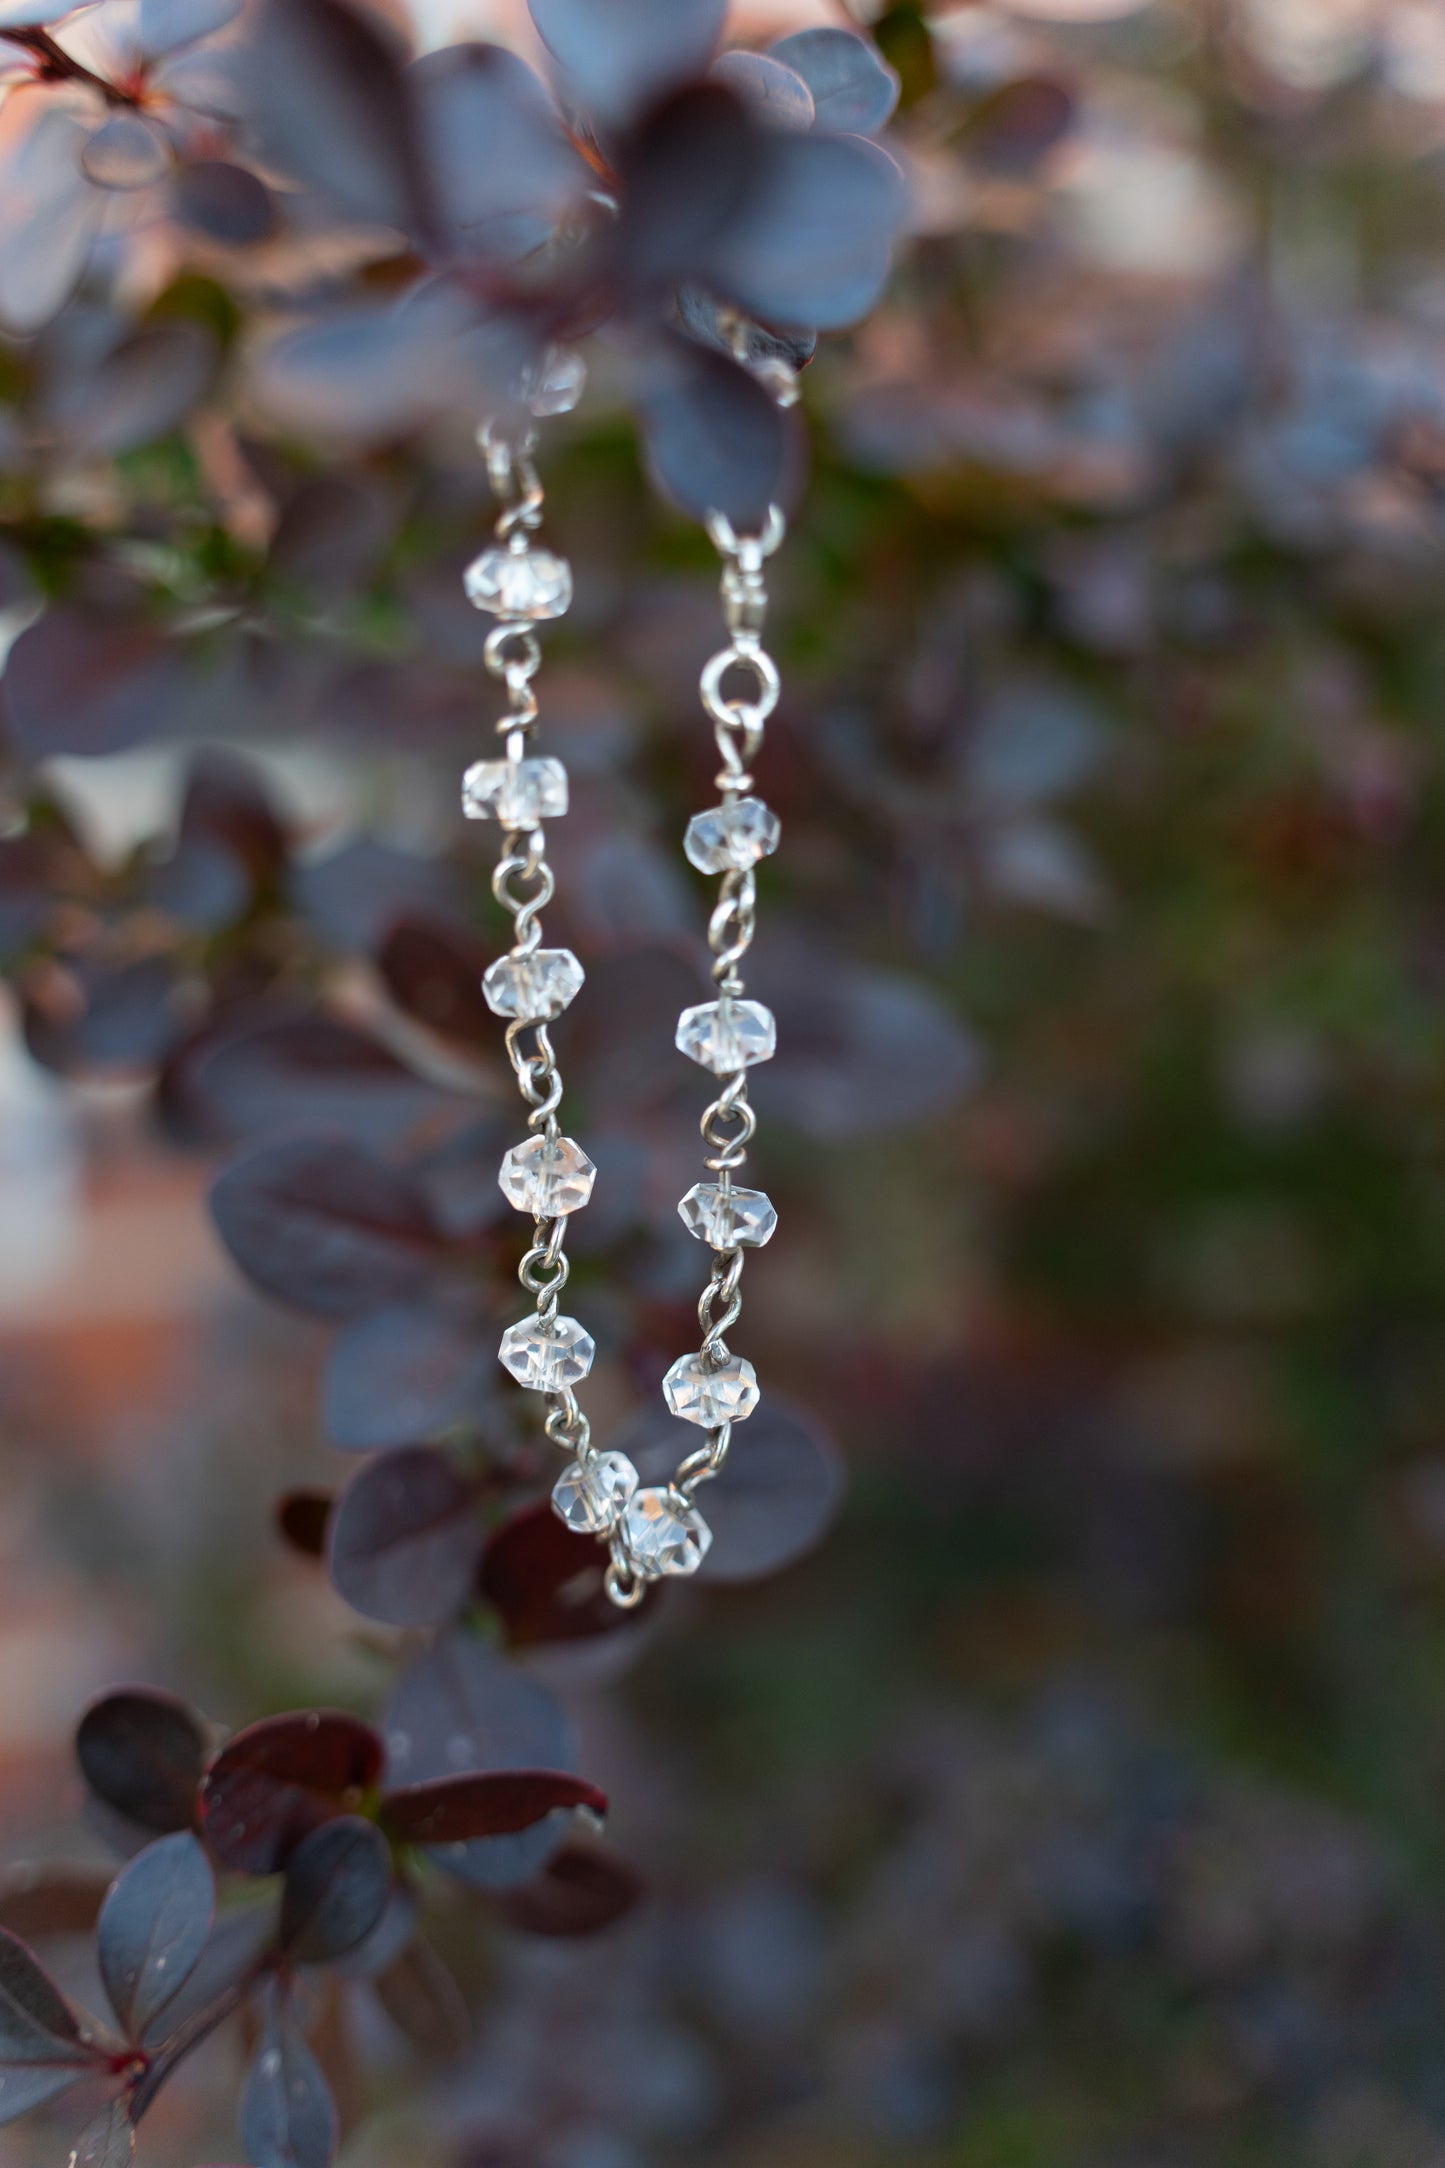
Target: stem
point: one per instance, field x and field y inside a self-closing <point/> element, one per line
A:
<point x="57" y="66"/>
<point x="194" y="2031"/>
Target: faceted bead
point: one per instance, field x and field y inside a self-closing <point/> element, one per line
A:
<point x="531" y="584"/>
<point x="730" y="838"/>
<point x="590" y="1495"/>
<point x="728" y="1218"/>
<point x="535" y="986"/>
<point x="518" y="793"/>
<point x="662" y="1536"/>
<point x="555" y="384"/>
<point x="549" y="1176"/>
<point x="547" y="1358"/>
<point x="711" y="1397"/>
<point x="728" y="1034"/>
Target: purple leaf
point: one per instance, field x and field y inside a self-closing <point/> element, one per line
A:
<point x="52" y="1899"/>
<point x="42" y="2047"/>
<point x="153" y="1927"/>
<point x="167" y="25"/>
<point x="812" y="246"/>
<point x="770" y="91"/>
<point x="501" y="1803"/>
<point x="414" y="1371"/>
<point x="864" y="1052"/>
<point x="309" y="1070"/>
<point x="463" y="1708"/>
<point x="631" y="1007"/>
<point x="423" y="2001"/>
<point x="224" y="202"/>
<point x="779" y="1490"/>
<point x="333" y="533"/>
<point x="142" y="1753"/>
<point x="1018" y="124"/>
<point x="854" y="89"/>
<point x="275" y="1782"/>
<point x="685" y="176"/>
<point x="405" y="1537"/>
<point x="108" y="2141"/>
<point x="357" y="894"/>
<point x="331" y="107"/>
<point x="338" y="1881"/>
<point x="48" y="210"/>
<point x="123" y="1019"/>
<point x="288" y="2117"/>
<point x="716" y="440"/>
<point x="622" y="58"/>
<point x="323" y="1225"/>
<point x="76" y="682"/>
<point x="502" y="168"/>
<point x="583" y="1889"/>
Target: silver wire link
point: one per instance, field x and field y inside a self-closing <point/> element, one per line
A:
<point x="523" y="884"/>
<point x="729" y="1124"/>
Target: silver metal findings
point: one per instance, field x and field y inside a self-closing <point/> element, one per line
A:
<point x="662" y="1531"/>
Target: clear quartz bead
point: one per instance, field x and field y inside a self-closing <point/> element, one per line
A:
<point x="728" y="1034"/>
<point x="592" y="1495"/>
<point x="518" y="793"/>
<point x="711" y="1397"/>
<point x="547" y="1357"/>
<point x="729" y="838"/>
<point x="730" y="1218"/>
<point x="527" y="583"/>
<point x="555" y="384"/>
<point x="550" y="1176"/>
<point x="664" y="1536"/>
<point x="533" y="986"/>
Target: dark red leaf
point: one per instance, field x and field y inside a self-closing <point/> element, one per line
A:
<point x="404" y="1539"/>
<point x="812" y="245"/>
<point x="1018" y="124"/>
<point x="301" y="1517"/>
<point x="502" y="168"/>
<point x="547" y="1582"/>
<point x="333" y="532"/>
<point x="357" y="894"/>
<point x="338" y="1881"/>
<point x="275" y="1782"/>
<point x="583" y="1889"/>
<point x="325" y="1226"/>
<point x="451" y="1810"/>
<point x="98" y="1017"/>
<point x="433" y="971"/>
<point x="142" y="1754"/>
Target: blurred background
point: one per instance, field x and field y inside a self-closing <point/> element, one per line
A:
<point x="1076" y="1802"/>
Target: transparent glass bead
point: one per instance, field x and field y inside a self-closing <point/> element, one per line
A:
<point x="556" y="383"/>
<point x="662" y="1536"/>
<point x="729" y="838"/>
<point x="547" y="1358"/>
<point x="531" y="584"/>
<point x="518" y="793"/>
<point x="535" y="986"/>
<point x="728" y="1034"/>
<point x="711" y="1397"/>
<point x="550" y="1176"/>
<point x="728" y="1219"/>
<point x="591" y="1495"/>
